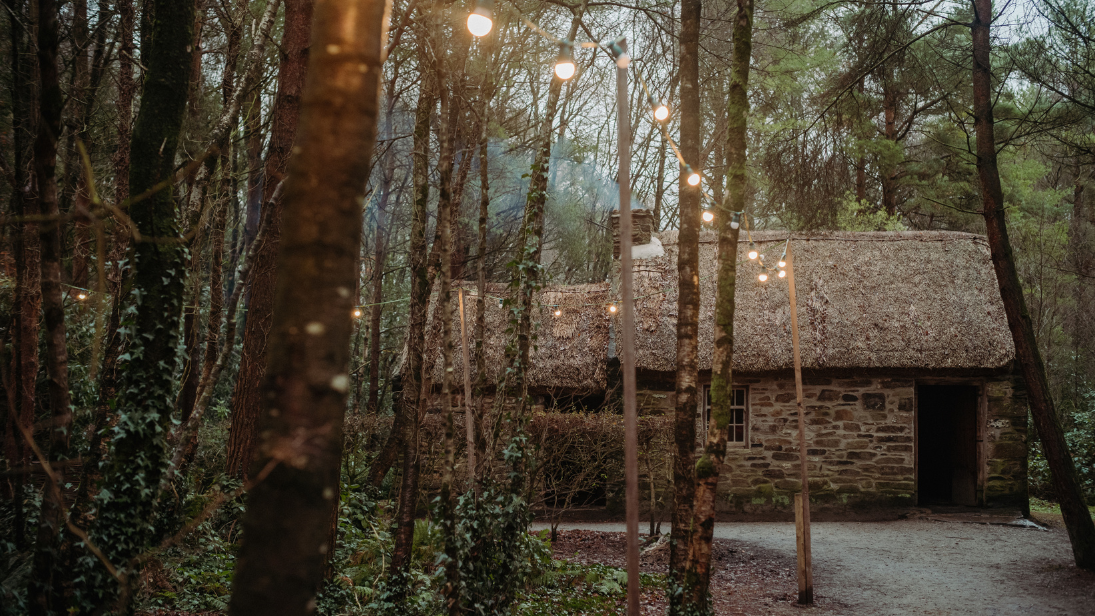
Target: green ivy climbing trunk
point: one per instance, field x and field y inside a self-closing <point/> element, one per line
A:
<point x="1066" y="482"/>
<point x="125" y="504"/>
<point x="296" y="471"/>
<point x="688" y="305"/>
<point x="698" y="578"/>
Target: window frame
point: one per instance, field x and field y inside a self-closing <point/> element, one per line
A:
<point x="705" y="416"/>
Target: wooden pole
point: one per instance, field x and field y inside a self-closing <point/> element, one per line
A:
<point x="802" y="500"/>
<point x="469" y="412"/>
<point x="631" y="421"/>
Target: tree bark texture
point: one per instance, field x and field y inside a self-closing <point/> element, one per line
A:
<point x="698" y="578"/>
<point x="296" y="470"/>
<point x="122" y="525"/>
<point x="688" y="303"/>
<point x="26" y="244"/>
<point x="46" y="593"/>
<point x="1066" y="482"/>
<point x="246" y="399"/>
<point x="405" y="427"/>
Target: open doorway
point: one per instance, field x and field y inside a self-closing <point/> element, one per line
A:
<point x="946" y="425"/>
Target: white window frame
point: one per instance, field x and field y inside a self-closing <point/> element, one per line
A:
<point x="705" y="416"/>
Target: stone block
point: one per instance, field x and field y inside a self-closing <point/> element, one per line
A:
<point x="896" y="383"/>
<point x="874" y="401"/>
<point x="899" y="448"/>
<point x="858" y="444"/>
<point x="793" y="485"/>
<point x="785" y="456"/>
<point x="828" y="395"/>
<point x="1008" y="449"/>
<point x="905" y="405"/>
<point x="861" y="455"/>
<point x="893" y="439"/>
<point x="844" y="414"/>
<point x="827" y="442"/>
<point x="815" y="452"/>
<point x="879" y="416"/>
<point x="849" y="398"/>
<point x="759" y="481"/>
<point x="785" y="397"/>
<point x="904" y="486"/>
<point x="850" y="427"/>
<point x="816" y="381"/>
<point x="817" y="421"/>
<point x="891" y="428"/>
<point x="774" y="473"/>
<point x="857" y="383"/>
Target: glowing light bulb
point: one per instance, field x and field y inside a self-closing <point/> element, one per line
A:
<point x="612" y="308"/>
<point x="623" y="60"/>
<point x="564" y="66"/>
<point x="357" y="313"/>
<point x="661" y="113"/>
<point x="782" y="274"/>
<point x="708" y="216"/>
<point x="782" y="263"/>
<point x="481" y="21"/>
<point x="735" y="220"/>
<point x="752" y="254"/>
<point x="81" y="296"/>
<point x="693" y="178"/>
<point x="558" y="312"/>
<point x="763" y="277"/>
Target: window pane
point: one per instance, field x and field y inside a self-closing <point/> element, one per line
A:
<point x="739" y="397"/>
<point x="739" y="416"/>
<point x="739" y="434"/>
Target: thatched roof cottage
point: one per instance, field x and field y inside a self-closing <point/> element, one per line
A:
<point x="911" y="393"/>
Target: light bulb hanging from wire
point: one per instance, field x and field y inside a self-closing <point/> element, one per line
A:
<point x="564" y="66"/>
<point x="481" y="19"/>
<point x="782" y="273"/>
<point x="735" y="220"/>
<point x="661" y="112"/>
<point x="622" y="58"/>
<point x="763" y="277"/>
<point x="691" y="176"/>
<point x="708" y="216"/>
<point x="752" y="251"/>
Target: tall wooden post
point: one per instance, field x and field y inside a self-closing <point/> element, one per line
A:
<point x="631" y="421"/>
<point x="802" y="500"/>
<point x="469" y="410"/>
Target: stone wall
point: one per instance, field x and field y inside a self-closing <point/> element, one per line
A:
<point x="860" y="444"/>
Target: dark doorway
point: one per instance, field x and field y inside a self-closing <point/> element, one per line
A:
<point x="946" y="425"/>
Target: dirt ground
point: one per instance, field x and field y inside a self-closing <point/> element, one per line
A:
<point x="931" y="564"/>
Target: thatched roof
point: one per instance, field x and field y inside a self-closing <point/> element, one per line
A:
<point x="909" y="300"/>
<point x="570" y="349"/>
<point x="926" y="300"/>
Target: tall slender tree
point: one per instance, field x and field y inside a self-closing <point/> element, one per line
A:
<point x="1066" y="482"/>
<point x="296" y="471"/>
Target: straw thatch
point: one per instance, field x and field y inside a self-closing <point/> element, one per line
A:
<point x="920" y="300"/>
<point x="909" y="300"/>
<point x="569" y="351"/>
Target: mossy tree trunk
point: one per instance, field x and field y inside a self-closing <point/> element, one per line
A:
<point x="123" y="520"/>
<point x="246" y="397"/>
<point x="296" y="470"/>
<point x="698" y="577"/>
<point x="688" y="304"/>
<point x="1066" y="482"/>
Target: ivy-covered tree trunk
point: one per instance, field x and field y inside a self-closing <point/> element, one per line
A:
<point x="526" y="276"/>
<point x="698" y="577"/>
<point x="1066" y="482"/>
<point x="688" y="305"/>
<point x="246" y="398"/>
<point x="288" y="518"/>
<point x="125" y="504"/>
<point x="47" y="594"/>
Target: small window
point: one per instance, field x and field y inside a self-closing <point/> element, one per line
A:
<point x="739" y="415"/>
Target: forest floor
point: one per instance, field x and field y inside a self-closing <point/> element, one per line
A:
<point x="934" y="563"/>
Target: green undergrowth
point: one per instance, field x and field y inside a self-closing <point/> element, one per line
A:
<point x="1038" y="505"/>
<point x="569" y="589"/>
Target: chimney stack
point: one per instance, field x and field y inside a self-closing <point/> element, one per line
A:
<point x="642" y="229"/>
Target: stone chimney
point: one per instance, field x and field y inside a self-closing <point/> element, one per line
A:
<point x="642" y="229"/>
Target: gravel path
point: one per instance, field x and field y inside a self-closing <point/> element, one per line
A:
<point x="927" y="566"/>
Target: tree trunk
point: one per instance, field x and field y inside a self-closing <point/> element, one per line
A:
<point x="289" y="509"/>
<point x="698" y="578"/>
<point x="688" y="304"/>
<point x="415" y="379"/>
<point x="26" y="243"/>
<point x="47" y="594"/>
<point x="144" y="410"/>
<point x="1066" y="482"/>
<point x="246" y="399"/>
<point x="380" y="258"/>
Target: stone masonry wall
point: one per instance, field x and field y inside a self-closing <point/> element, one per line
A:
<point x="860" y="444"/>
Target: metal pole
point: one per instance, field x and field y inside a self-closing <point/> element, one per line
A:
<point x="802" y="501"/>
<point x="631" y="421"/>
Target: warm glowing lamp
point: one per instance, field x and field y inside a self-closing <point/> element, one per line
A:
<point x="661" y="112"/>
<point x="782" y="274"/>
<point x="481" y="20"/>
<point x="357" y="313"/>
<point x="763" y="277"/>
<point x="692" y="177"/>
<point x="564" y="66"/>
<point x="612" y="308"/>
<point x="708" y="216"/>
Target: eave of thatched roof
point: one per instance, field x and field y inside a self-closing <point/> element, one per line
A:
<point x="922" y="300"/>
<point x="570" y="349"/>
